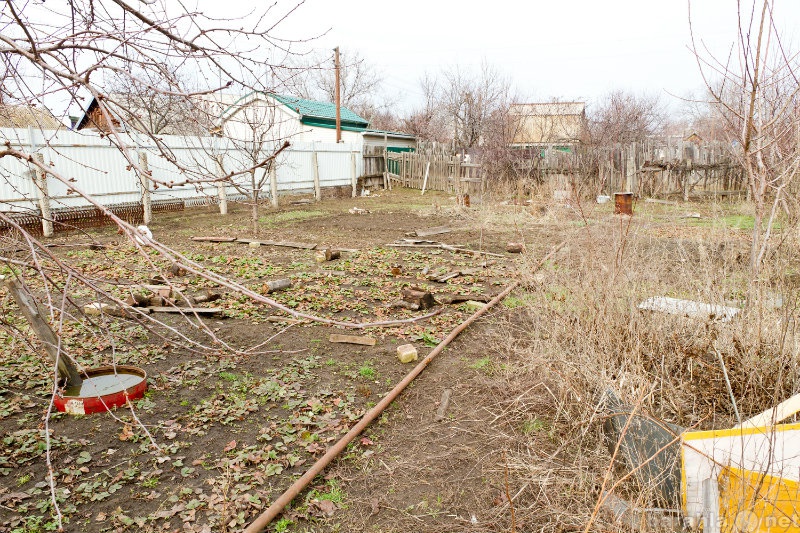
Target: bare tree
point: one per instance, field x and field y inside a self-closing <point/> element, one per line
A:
<point x="756" y="95"/>
<point x="624" y="117"/>
<point x="428" y="122"/>
<point x="469" y="100"/>
<point x="314" y="78"/>
<point x="154" y="101"/>
<point x="254" y="130"/>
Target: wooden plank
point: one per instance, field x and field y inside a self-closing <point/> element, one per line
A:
<point x="214" y="239"/>
<point x="285" y="244"/>
<point x="67" y="368"/>
<point x="774" y="415"/>
<point x="438" y="230"/>
<point x="187" y="310"/>
<point x="352" y="339"/>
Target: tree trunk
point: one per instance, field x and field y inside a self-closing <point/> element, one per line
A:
<point x="255" y="201"/>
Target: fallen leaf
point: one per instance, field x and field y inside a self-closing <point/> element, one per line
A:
<point x="324" y="508"/>
<point x="231" y="445"/>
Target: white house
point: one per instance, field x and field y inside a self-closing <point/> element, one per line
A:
<point x="273" y="118"/>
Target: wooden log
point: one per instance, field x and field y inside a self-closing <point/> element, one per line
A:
<point x="328" y="254"/>
<point x="136" y="299"/>
<point x="67" y="368"/>
<point x="177" y="270"/>
<point x="441" y="279"/>
<point x="186" y="310"/>
<point x="208" y="296"/>
<point x="402" y="304"/>
<point x="459" y="298"/>
<point x="352" y="339"/>
<point x="278" y="285"/>
<point x="420" y="297"/>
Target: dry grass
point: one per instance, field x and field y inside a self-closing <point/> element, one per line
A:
<point x="575" y="332"/>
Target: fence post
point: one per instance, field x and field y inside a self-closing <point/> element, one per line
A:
<point x="353" y="178"/>
<point x="273" y="184"/>
<point x="147" y="205"/>
<point x="386" y="184"/>
<point x="40" y="179"/>
<point x="222" y="192"/>
<point x="315" y="164"/>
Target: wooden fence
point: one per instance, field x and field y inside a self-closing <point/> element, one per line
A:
<point x="436" y="172"/>
<point x="663" y="168"/>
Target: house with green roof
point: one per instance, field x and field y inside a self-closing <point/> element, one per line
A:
<point x="288" y="117"/>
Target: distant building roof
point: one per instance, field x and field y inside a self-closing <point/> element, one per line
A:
<point x="21" y="116"/>
<point x="548" y="123"/>
<point x="549" y="108"/>
<point x="393" y="134"/>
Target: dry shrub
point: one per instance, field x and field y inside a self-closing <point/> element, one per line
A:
<point x="574" y="332"/>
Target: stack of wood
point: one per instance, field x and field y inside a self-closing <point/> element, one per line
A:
<point x="162" y="298"/>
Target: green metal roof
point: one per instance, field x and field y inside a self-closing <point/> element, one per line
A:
<point x="317" y="113"/>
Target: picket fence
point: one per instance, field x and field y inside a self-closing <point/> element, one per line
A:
<point x="101" y="171"/>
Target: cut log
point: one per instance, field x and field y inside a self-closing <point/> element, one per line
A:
<point x="207" y="296"/>
<point x="422" y="298"/>
<point x="136" y="299"/>
<point x="402" y="304"/>
<point x="278" y="285"/>
<point x="459" y="298"/>
<point x="176" y="270"/>
<point x="214" y="239"/>
<point x="187" y="310"/>
<point x="328" y="254"/>
<point x="285" y="244"/>
<point x="352" y="339"/>
<point x="443" y="278"/>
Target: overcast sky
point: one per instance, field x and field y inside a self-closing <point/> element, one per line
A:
<point x="570" y="49"/>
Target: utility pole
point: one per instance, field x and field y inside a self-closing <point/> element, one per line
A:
<point x="338" y="98"/>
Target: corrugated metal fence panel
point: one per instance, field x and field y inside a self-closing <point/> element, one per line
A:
<point x="102" y="171"/>
<point x="295" y="170"/>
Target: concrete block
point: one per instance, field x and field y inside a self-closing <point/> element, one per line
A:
<point x="406" y="353"/>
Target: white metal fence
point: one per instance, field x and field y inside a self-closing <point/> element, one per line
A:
<point x="102" y="171"/>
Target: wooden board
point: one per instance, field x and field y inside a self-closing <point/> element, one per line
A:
<point x="352" y="339"/>
<point x="430" y="231"/>
<point x="285" y="244"/>
<point x="214" y="239"/>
